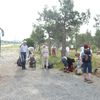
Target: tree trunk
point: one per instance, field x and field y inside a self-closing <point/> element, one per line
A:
<point x="49" y="45"/>
<point x="39" y="49"/>
<point x="76" y="43"/>
<point x="63" y="52"/>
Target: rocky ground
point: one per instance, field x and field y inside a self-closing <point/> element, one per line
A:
<point x="40" y="84"/>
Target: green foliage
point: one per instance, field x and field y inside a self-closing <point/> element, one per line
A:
<point x="30" y="42"/>
<point x="97" y="38"/>
<point x="59" y="65"/>
<point x="85" y="38"/>
<point x="59" y="23"/>
<point x="94" y="48"/>
<point x="38" y="35"/>
<point x="95" y="61"/>
<point x="56" y="61"/>
<point x="97" y="22"/>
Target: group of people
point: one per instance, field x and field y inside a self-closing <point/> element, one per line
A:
<point x="26" y="52"/>
<point x="84" y="63"/>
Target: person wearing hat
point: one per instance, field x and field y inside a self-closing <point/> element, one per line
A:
<point x="45" y="56"/>
<point x="86" y="56"/>
<point x="23" y="54"/>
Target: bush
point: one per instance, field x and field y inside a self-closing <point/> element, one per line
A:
<point x="30" y="42"/>
<point x="94" y="48"/>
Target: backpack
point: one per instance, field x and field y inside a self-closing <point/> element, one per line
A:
<point x="32" y="60"/>
<point x="50" y="65"/>
<point x="86" y="56"/>
<point x="19" y="62"/>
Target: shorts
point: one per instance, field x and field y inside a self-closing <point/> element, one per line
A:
<point x="87" y="67"/>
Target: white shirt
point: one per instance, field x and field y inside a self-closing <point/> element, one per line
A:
<point x="24" y="48"/>
<point x="67" y="49"/>
<point x="45" y="52"/>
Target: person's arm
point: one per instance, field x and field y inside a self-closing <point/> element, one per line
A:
<point x="48" y="51"/>
<point x="20" y="51"/>
<point x="27" y="52"/>
<point x="81" y="54"/>
<point x="91" y="54"/>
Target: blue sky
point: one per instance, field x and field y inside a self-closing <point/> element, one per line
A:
<point x="17" y="16"/>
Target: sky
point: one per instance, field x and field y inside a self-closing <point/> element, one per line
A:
<point x="17" y="16"/>
<point x="93" y="5"/>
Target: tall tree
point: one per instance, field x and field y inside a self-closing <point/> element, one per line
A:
<point x="97" y="34"/>
<point x="97" y="22"/>
<point x="49" y="16"/>
<point x="38" y="35"/>
<point x="63" y="20"/>
<point x="70" y="19"/>
<point x="97" y="38"/>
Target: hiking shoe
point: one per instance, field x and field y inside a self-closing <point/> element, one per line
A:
<point x="85" y="80"/>
<point x="89" y="81"/>
<point x="23" y="68"/>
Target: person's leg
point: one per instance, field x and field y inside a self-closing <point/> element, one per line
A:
<point x="23" y="59"/>
<point x="43" y="62"/>
<point x="35" y="65"/>
<point x="89" y="76"/>
<point x="89" y="72"/>
<point x="85" y="71"/>
<point x="85" y="77"/>
<point x="46" y="61"/>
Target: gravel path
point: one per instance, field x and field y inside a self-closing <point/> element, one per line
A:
<point x="39" y="84"/>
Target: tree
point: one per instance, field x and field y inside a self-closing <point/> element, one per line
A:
<point x="97" y="22"/>
<point x="97" y="34"/>
<point x="30" y="42"/>
<point x="97" y="38"/>
<point x="85" y="38"/>
<point x="63" y="20"/>
<point x="38" y="35"/>
<point x="70" y="19"/>
<point x="49" y="16"/>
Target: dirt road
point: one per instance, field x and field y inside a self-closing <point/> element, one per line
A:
<point x="39" y="84"/>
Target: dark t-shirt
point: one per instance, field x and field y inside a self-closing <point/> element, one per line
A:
<point x="86" y="57"/>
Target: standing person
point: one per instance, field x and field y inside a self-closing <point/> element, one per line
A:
<point x="78" y="69"/>
<point x="54" y="51"/>
<point x="45" y="56"/>
<point x="23" y="54"/>
<point x="86" y="56"/>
